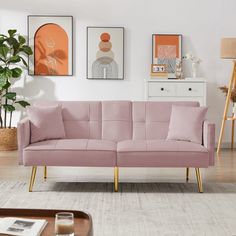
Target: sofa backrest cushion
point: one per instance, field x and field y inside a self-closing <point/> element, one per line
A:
<point x="151" y="119"/>
<point x="116" y="120"/>
<point x="82" y="119"/>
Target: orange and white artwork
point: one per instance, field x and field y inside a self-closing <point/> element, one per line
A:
<point x="51" y="39"/>
<point x="167" y="51"/>
<point x="105" y="53"/>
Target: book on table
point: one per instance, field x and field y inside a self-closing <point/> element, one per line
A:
<point x="21" y="226"/>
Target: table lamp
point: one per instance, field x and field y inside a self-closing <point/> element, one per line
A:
<point x="228" y="51"/>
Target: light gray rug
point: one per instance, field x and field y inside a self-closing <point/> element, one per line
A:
<point x="138" y="209"/>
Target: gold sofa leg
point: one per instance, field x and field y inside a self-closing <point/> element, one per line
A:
<point x="199" y="180"/>
<point x="187" y="174"/>
<point x="45" y="173"/>
<point x="32" y="178"/>
<point x="116" y="178"/>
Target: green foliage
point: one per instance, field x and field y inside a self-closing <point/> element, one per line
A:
<point x="13" y="50"/>
<point x="23" y="103"/>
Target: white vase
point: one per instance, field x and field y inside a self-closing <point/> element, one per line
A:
<point x="194" y="69"/>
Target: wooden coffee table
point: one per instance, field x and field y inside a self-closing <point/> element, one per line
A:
<point x="83" y="221"/>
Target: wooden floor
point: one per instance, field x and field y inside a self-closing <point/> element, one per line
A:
<point x="223" y="171"/>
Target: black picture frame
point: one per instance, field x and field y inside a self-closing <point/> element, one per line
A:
<point x="87" y="52"/>
<point x="72" y="44"/>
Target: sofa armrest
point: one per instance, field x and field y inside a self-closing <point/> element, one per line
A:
<point x="23" y="137"/>
<point x="209" y="140"/>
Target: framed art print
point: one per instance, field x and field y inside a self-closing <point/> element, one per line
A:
<point x="51" y="38"/>
<point x="105" y="53"/>
<point x="167" y="50"/>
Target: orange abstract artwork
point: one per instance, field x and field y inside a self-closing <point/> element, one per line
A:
<point x="51" y="50"/>
<point x="167" y="51"/>
<point x="167" y="46"/>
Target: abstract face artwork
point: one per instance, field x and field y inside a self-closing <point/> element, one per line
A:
<point x="167" y="51"/>
<point x="51" y="39"/>
<point x="105" y="53"/>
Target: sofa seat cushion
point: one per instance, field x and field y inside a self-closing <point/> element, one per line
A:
<point x="71" y="152"/>
<point x="161" y="153"/>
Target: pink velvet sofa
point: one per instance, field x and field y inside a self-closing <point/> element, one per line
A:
<point x="116" y="134"/>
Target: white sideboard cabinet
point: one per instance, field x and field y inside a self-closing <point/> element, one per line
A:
<point x="176" y="90"/>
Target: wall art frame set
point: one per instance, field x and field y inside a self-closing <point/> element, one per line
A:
<point x="51" y="38"/>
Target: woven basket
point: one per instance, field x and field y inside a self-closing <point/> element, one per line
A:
<point x="8" y="139"/>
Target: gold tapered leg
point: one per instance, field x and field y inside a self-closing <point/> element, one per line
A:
<point x="45" y="173"/>
<point x="199" y="180"/>
<point x="187" y="174"/>
<point x="32" y="178"/>
<point x="116" y="178"/>
<point x="231" y="83"/>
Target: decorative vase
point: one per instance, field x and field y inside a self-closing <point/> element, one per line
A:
<point x="194" y="69"/>
<point x="8" y="139"/>
<point x="234" y="109"/>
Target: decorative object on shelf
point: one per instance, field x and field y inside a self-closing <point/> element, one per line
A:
<point x="159" y="71"/>
<point x="105" y="53"/>
<point x="167" y="49"/>
<point x="178" y="72"/>
<point x="195" y="63"/>
<point x="12" y="59"/>
<point x="51" y="39"/>
<point x="228" y="51"/>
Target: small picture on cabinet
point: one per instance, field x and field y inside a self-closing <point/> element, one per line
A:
<point x="167" y="50"/>
<point x="158" y="68"/>
<point x="105" y="53"/>
<point x="51" y="40"/>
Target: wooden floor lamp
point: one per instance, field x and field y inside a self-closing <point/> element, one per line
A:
<point x="228" y="51"/>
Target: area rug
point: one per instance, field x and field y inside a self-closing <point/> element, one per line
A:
<point x="137" y="209"/>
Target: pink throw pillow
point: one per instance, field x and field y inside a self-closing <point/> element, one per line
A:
<point x="45" y="123"/>
<point x="186" y="123"/>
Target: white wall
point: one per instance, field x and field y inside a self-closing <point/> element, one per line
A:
<point x="202" y="23"/>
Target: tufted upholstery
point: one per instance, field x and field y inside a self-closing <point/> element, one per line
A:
<point x="151" y="119"/>
<point x="111" y="133"/>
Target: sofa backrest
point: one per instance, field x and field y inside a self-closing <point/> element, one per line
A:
<point x="82" y="119"/>
<point x="116" y="120"/>
<point x="151" y="119"/>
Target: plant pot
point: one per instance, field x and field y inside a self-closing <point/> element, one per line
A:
<point x="8" y="139"/>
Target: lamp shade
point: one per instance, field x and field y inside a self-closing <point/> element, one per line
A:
<point x="228" y="48"/>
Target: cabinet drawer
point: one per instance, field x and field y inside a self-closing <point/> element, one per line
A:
<point x="161" y="89"/>
<point x="190" y="89"/>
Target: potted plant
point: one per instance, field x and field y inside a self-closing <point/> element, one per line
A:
<point x="224" y="89"/>
<point x="13" y="49"/>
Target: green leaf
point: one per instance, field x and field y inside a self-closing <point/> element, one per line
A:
<point x="14" y="59"/>
<point x="10" y="96"/>
<point x="21" y="40"/>
<point x="7" y="85"/>
<point x="13" y="42"/>
<point x="16" y="72"/>
<point x="12" y="32"/>
<point x="26" y="49"/>
<point x="24" y="62"/>
<point x="9" y="107"/>
<point x="23" y="103"/>
<point x="4" y="51"/>
<point x="2" y="39"/>
<point x="3" y="81"/>
<point x="6" y="72"/>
